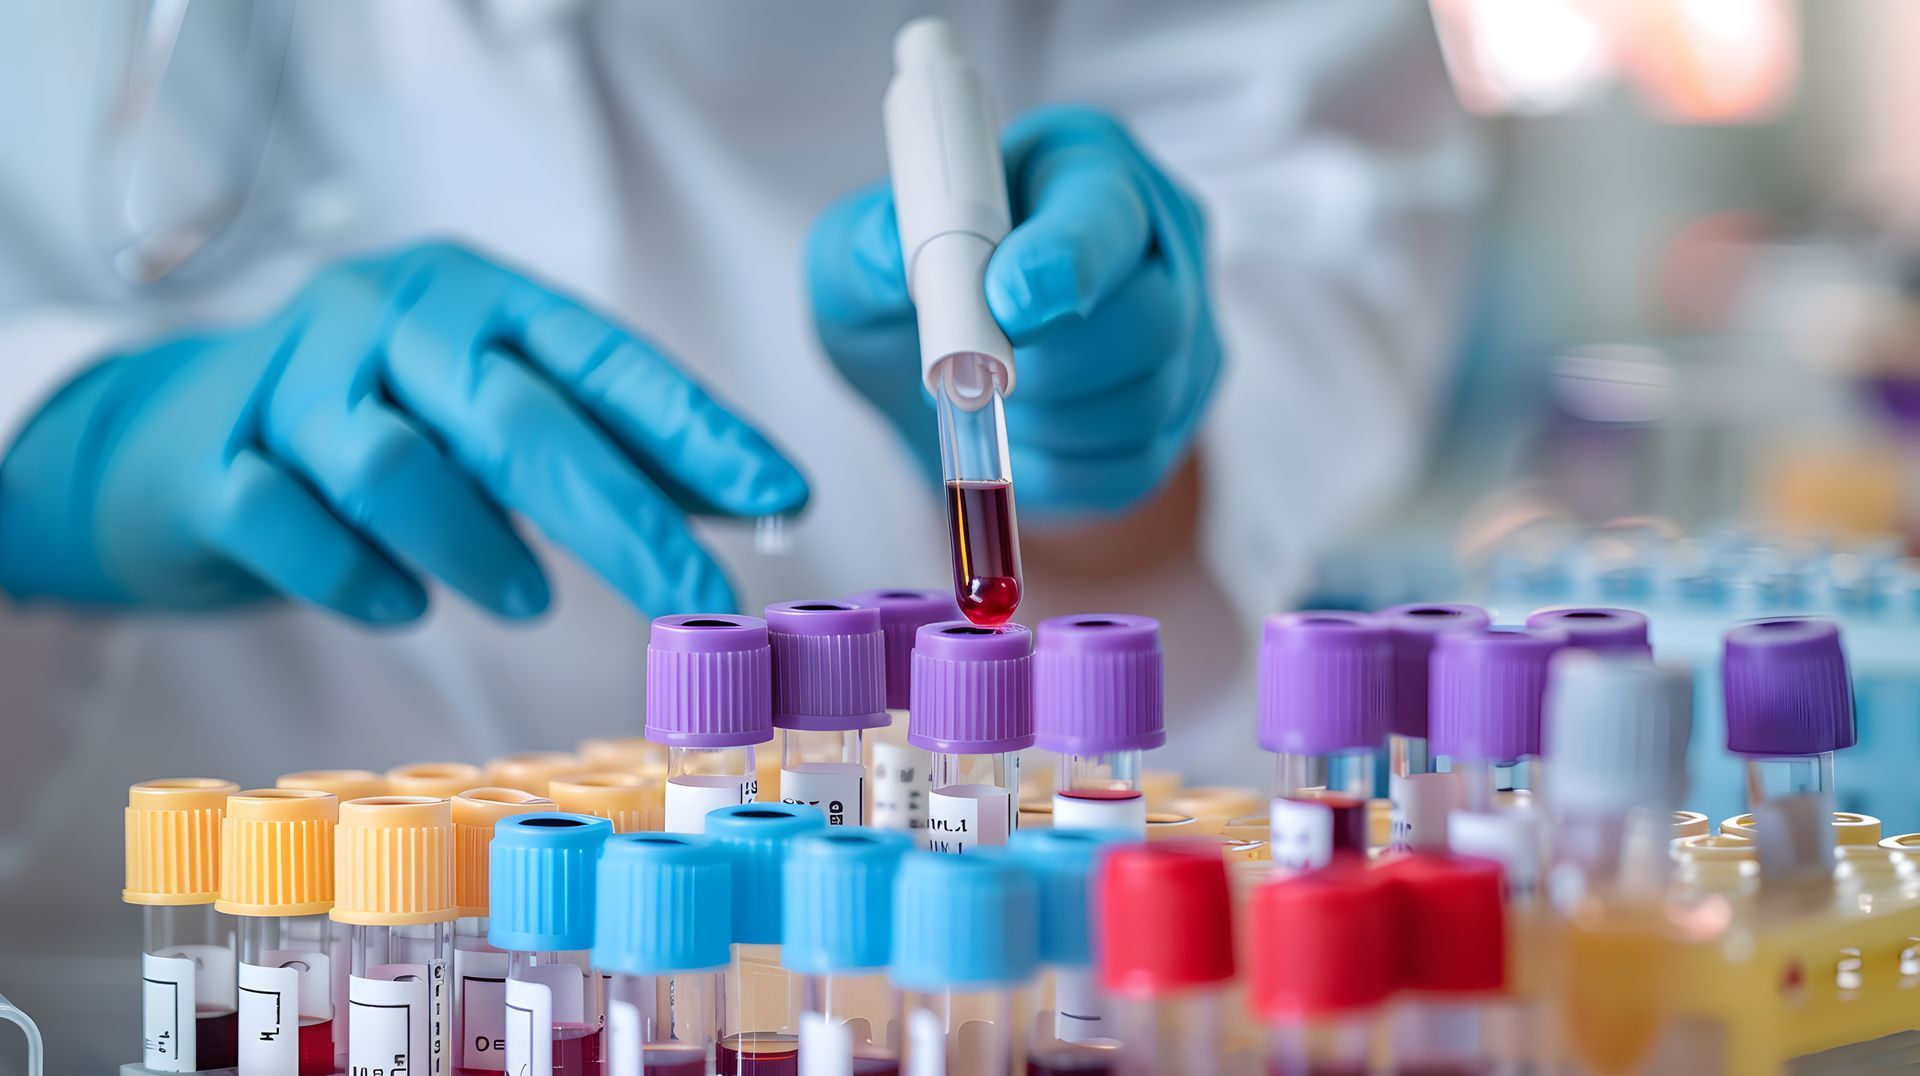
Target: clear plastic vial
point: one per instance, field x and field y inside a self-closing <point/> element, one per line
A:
<point x="663" y="920"/>
<point x="542" y="881"/>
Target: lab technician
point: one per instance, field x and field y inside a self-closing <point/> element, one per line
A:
<point x="488" y="325"/>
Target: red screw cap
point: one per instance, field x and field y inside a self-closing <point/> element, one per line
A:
<point x="1166" y="918"/>
<point x="1449" y="923"/>
<point x="1322" y="943"/>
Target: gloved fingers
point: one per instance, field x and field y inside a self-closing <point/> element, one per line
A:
<point x="703" y="455"/>
<point x="389" y="481"/>
<point x="1138" y="330"/>
<point x="854" y="269"/>
<point x="1118" y="420"/>
<point x="538" y="456"/>
<point x="1057" y="487"/>
<point x="266" y="522"/>
<point x="1082" y="229"/>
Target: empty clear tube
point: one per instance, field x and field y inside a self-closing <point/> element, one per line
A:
<point x="829" y="686"/>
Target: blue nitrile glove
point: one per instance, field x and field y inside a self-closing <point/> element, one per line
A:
<point x="1101" y="286"/>
<point x="381" y="428"/>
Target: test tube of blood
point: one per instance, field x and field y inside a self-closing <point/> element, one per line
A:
<point x="1071" y="1030"/>
<point x="1098" y="704"/>
<point x="664" y="917"/>
<point x="1421" y="798"/>
<point x="187" y="962"/>
<point x="346" y="785"/>
<point x="1450" y="943"/>
<point x="829" y="686"/>
<point x="442" y="779"/>
<point x="478" y="1022"/>
<point x="760" y="1014"/>
<point x="965" y="940"/>
<point x="973" y="710"/>
<point x="1621" y="632"/>
<point x="837" y="936"/>
<point x="899" y="770"/>
<point x="950" y="201"/>
<point x="620" y="798"/>
<point x="1789" y="705"/>
<point x="542" y="868"/>
<point x="1325" y="699"/>
<point x="1321" y="947"/>
<point x="531" y="771"/>
<point x="394" y="891"/>
<point x="276" y="874"/>
<point x="1487" y="690"/>
<point x="1166" y="954"/>
<point x="710" y="701"/>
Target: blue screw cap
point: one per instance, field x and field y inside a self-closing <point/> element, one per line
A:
<point x="1061" y="862"/>
<point x="963" y="922"/>
<point x="755" y="836"/>
<point x="665" y="905"/>
<point x="839" y="900"/>
<point x="542" y="880"/>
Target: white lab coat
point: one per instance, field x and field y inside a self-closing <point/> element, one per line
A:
<point x="664" y="162"/>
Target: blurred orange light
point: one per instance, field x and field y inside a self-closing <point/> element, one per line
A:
<point x="1711" y="61"/>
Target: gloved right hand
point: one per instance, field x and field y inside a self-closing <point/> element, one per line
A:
<point x="383" y="426"/>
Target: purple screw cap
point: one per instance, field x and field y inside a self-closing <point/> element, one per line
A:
<point x="903" y="611"/>
<point x="829" y="666"/>
<point x="708" y="681"/>
<point x="1326" y="682"/>
<point x="1097" y="684"/>
<point x="1603" y="631"/>
<point x="972" y="689"/>
<point x="1487" y="692"/>
<point x="1413" y="628"/>
<point x="1787" y="690"/>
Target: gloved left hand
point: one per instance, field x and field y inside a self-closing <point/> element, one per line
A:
<point x="1101" y="287"/>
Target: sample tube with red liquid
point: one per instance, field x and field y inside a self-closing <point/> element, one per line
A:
<point x="478" y="1023"/>
<point x="950" y="200"/>
<point x="664" y="923"/>
<point x="709" y="703"/>
<point x="1098" y="704"/>
<point x="187" y="964"/>
<point x="837" y="936"/>
<point x="1323" y="968"/>
<point x="542" y="868"/>
<point x="973" y="712"/>
<point x="829" y="687"/>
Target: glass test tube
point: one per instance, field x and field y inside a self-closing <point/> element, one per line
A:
<point x="396" y="897"/>
<point x="1166" y="954"/>
<point x="1071" y="1029"/>
<point x="965" y="939"/>
<point x="478" y="1016"/>
<point x="1098" y="705"/>
<point x="187" y="959"/>
<point x="709" y="701"/>
<point x="542" y="881"/>
<point x="898" y="790"/>
<point x="1325" y="701"/>
<point x="759" y="1028"/>
<point x="829" y="685"/>
<point x="837" y="937"/>
<point x="972" y="710"/>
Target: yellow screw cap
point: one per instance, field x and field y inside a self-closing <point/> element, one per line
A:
<point x="620" y="798"/>
<point x="173" y="840"/>
<point x="633" y="755"/>
<point x="1689" y="824"/>
<point x="1848" y="828"/>
<point x="346" y="784"/>
<point x="276" y="852"/>
<point x="393" y="861"/>
<point x="533" y="771"/>
<point x="443" y="779"/>
<point x="474" y="813"/>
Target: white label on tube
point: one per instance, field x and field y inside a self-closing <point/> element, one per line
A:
<point x="839" y="789"/>
<point x="826" y="1046"/>
<point x="900" y="790"/>
<point x="624" y="1047"/>
<point x="1300" y="834"/>
<point x="167" y="1013"/>
<point x="1421" y="804"/>
<point x="390" y="1020"/>
<point x="1514" y="838"/>
<point x="965" y="816"/>
<point x="530" y="1028"/>
<point x="926" y="1045"/>
<point x="1080" y="812"/>
<point x="1079" y="1011"/>
<point x="690" y="796"/>
<point x="481" y="979"/>
<point x="269" y="1018"/>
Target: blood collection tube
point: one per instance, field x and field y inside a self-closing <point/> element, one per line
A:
<point x="1098" y="704"/>
<point x="664" y="919"/>
<point x="620" y="798"/>
<point x="1071" y="1030"/>
<point x="965" y="940"/>
<point x="973" y="710"/>
<point x="709" y="701"/>
<point x="443" y="779"/>
<point x="1421" y="798"/>
<point x="837" y="936"/>
<point x="276" y="874"/>
<point x="344" y="784"/>
<point x="187" y="962"/>
<point x="760" y="1014"/>
<point x="478" y="1022"/>
<point x="1326" y="695"/>
<point x="950" y="200"/>
<point x="1166" y="954"/>
<point x="532" y="771"/>
<point x="1601" y="630"/>
<point x="900" y="770"/>
<point x="1486" y="693"/>
<point x="1321" y="949"/>
<point x="1789" y="705"/>
<point x="829" y="686"/>
<point x="1450" y="942"/>
<point x="393" y="881"/>
<point x="542" y="868"/>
